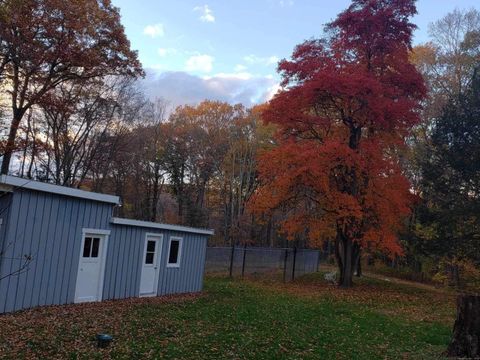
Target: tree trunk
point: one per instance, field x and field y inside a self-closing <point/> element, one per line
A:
<point x="34" y="153"/>
<point x="358" y="271"/>
<point x="10" y="146"/>
<point x="156" y="193"/>
<point x="466" y="331"/>
<point x="453" y="274"/>
<point x="269" y="232"/>
<point x="346" y="253"/>
<point x="348" y="267"/>
<point x="338" y="257"/>
<point x="350" y="249"/>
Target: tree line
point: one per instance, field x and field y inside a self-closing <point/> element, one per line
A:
<point x="442" y="162"/>
<point x="372" y="146"/>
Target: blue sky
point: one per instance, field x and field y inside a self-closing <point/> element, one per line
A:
<point x="228" y="49"/>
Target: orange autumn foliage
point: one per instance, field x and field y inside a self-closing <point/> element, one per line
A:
<point x="348" y="103"/>
<point x="301" y="177"/>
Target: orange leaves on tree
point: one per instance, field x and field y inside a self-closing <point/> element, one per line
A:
<point x="306" y="179"/>
<point x="347" y="104"/>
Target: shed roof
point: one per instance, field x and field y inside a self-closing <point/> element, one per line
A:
<point x="12" y="183"/>
<point x="154" y="225"/>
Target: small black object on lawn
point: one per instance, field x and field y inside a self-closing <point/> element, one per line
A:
<point x="103" y="340"/>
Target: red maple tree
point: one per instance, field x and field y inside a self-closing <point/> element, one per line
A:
<point x="348" y="102"/>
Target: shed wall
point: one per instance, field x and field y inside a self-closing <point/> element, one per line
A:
<point x="125" y="259"/>
<point x="5" y="201"/>
<point x="49" y="228"/>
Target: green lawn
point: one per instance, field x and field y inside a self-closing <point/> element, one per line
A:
<point x="249" y="319"/>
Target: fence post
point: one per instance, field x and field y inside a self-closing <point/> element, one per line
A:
<point x="243" y="262"/>
<point x="294" y="261"/>
<point x="285" y="266"/>
<point x="231" y="259"/>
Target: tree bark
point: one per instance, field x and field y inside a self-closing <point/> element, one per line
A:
<point x="156" y="193"/>
<point x="338" y="256"/>
<point x="10" y="146"/>
<point x="347" y="280"/>
<point x="358" y="270"/>
<point x="466" y="331"/>
<point x="346" y="253"/>
<point x="454" y="275"/>
<point x="347" y="249"/>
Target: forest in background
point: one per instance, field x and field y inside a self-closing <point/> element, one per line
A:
<point x="197" y="165"/>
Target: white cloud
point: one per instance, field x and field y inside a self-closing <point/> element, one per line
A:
<point x="206" y="14"/>
<point x="239" y="68"/>
<point x="154" y="31"/>
<point x="237" y="75"/>
<point x="284" y="3"/>
<point x="272" y="91"/>
<point x="180" y="88"/>
<point x="253" y="59"/>
<point x="201" y="63"/>
<point x="162" y="52"/>
<point x="273" y="60"/>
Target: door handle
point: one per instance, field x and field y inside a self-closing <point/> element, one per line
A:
<point x="155" y="268"/>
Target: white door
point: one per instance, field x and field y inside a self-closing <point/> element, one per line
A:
<point x="91" y="268"/>
<point x="150" y="265"/>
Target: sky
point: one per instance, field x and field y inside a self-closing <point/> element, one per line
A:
<point x="228" y="50"/>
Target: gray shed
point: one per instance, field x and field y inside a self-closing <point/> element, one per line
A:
<point x="60" y="245"/>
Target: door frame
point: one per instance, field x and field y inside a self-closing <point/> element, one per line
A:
<point x="159" y="250"/>
<point x="104" y="234"/>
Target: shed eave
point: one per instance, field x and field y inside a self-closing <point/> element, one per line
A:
<point x="20" y="183"/>
<point x="154" y="225"/>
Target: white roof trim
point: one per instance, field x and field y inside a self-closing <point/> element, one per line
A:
<point x="17" y="182"/>
<point x="154" y="225"/>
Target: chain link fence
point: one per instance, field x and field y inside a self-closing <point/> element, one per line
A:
<point x="287" y="262"/>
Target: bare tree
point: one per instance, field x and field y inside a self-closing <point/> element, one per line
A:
<point x="155" y="154"/>
<point x="46" y="43"/>
<point x="456" y="39"/>
<point x="78" y="117"/>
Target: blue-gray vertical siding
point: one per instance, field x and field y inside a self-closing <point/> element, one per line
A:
<point x="125" y="259"/>
<point x="188" y="277"/>
<point x="5" y="201"/>
<point x="49" y="228"/>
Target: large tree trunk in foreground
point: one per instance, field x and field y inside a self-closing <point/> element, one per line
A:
<point x="346" y="253"/>
<point x="347" y="250"/>
<point x="466" y="331"/>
